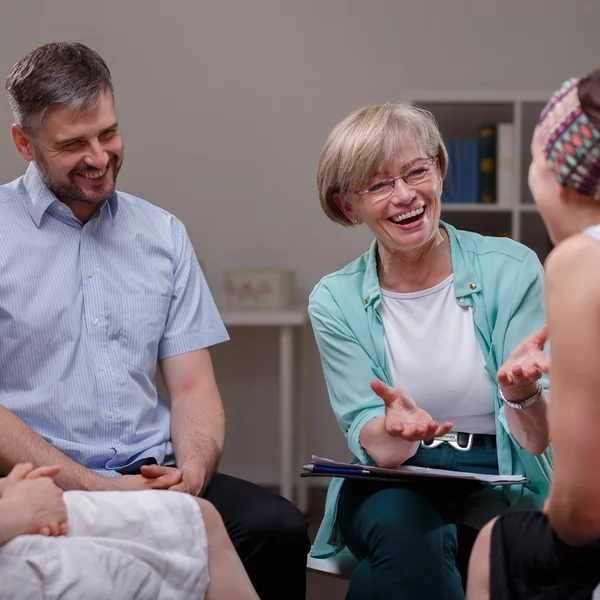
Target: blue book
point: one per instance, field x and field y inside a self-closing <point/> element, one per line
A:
<point x="464" y="179"/>
<point x="473" y="169"/>
<point x="449" y="192"/>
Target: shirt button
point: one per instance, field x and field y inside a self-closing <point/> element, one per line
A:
<point x="89" y="273"/>
<point x="61" y="207"/>
<point x="473" y="286"/>
<point x="461" y="300"/>
<point x="109" y="414"/>
<point x="95" y="321"/>
<point x="102" y="367"/>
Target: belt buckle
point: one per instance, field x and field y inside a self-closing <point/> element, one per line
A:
<point x="432" y="443"/>
<point x="450" y="439"/>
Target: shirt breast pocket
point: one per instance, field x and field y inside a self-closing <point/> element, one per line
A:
<point x="144" y="319"/>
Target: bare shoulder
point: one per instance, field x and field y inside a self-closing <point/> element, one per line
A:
<point x="574" y="262"/>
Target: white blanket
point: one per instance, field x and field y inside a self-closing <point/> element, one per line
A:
<point x="148" y="545"/>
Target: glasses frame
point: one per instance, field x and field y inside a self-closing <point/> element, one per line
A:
<point x="429" y="160"/>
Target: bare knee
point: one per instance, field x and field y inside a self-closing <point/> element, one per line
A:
<point x="478" y="584"/>
<point x="215" y="528"/>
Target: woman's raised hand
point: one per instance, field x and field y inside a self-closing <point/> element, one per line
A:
<point x="519" y="375"/>
<point x="403" y="418"/>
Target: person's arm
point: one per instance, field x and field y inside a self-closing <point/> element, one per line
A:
<point x="524" y="359"/>
<point x="530" y="426"/>
<point x="30" y="503"/>
<point x="13" y="521"/>
<point x="387" y="451"/>
<point x="395" y="438"/>
<point x="518" y="379"/>
<point x="197" y="417"/>
<point x="193" y="325"/>
<point x="360" y="411"/>
<point x="573" y="298"/>
<point x="20" y="443"/>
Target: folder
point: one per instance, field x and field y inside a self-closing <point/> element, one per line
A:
<point x="324" y="467"/>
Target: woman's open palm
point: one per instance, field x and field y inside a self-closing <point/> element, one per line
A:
<point x="518" y="376"/>
<point x="403" y="418"/>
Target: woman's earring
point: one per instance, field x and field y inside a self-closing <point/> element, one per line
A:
<point x="356" y="221"/>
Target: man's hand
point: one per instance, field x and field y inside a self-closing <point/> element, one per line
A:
<point x="152" y="477"/>
<point x="519" y="375"/>
<point x="185" y="484"/>
<point x="35" y="500"/>
<point x="403" y="418"/>
<point x="195" y="489"/>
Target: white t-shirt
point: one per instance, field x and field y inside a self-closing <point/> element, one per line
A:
<point x="435" y="357"/>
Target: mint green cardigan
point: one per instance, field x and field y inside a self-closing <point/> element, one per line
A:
<point x="501" y="280"/>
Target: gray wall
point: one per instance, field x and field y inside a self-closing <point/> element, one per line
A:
<point x="224" y="107"/>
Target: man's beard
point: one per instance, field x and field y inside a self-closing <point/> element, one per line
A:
<point x="70" y="193"/>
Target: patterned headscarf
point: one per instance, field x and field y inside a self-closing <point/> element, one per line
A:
<point x="570" y="141"/>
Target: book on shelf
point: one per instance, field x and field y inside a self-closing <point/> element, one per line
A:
<point x="461" y="185"/>
<point x="487" y="163"/>
<point x="504" y="164"/>
<point x="481" y="169"/>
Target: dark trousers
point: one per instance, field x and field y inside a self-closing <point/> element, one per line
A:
<point x="406" y="547"/>
<point x="405" y="536"/>
<point x="269" y="533"/>
<point x="528" y="561"/>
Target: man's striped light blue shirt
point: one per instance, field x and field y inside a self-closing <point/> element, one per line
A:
<point x="86" y="311"/>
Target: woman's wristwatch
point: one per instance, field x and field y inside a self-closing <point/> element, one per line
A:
<point x="528" y="401"/>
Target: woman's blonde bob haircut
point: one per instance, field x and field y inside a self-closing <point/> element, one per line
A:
<point x="369" y="138"/>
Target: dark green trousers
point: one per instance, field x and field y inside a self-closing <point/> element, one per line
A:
<point x="407" y="536"/>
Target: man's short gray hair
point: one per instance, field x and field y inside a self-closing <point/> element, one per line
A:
<point x="67" y="74"/>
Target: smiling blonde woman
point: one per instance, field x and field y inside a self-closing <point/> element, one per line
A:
<point x="431" y="331"/>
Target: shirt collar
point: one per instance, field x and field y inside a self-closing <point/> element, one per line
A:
<point x="466" y="281"/>
<point x="41" y="198"/>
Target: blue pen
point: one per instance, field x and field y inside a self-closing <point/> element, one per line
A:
<point x="338" y="470"/>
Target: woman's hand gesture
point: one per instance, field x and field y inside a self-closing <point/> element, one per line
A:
<point x="403" y="418"/>
<point x="519" y="375"/>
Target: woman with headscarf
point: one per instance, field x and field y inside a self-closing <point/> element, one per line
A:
<point x="555" y="554"/>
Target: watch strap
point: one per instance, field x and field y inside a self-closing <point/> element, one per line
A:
<point x="527" y="402"/>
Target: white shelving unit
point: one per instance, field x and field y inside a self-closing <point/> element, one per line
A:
<point x="292" y="434"/>
<point x="459" y="115"/>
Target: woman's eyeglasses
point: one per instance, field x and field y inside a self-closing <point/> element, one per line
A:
<point x="381" y="190"/>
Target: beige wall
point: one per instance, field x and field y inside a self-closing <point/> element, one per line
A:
<point x="225" y="105"/>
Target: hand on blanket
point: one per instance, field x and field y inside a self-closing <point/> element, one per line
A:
<point x="52" y="472"/>
<point x="35" y="500"/>
<point x="403" y="418"/>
